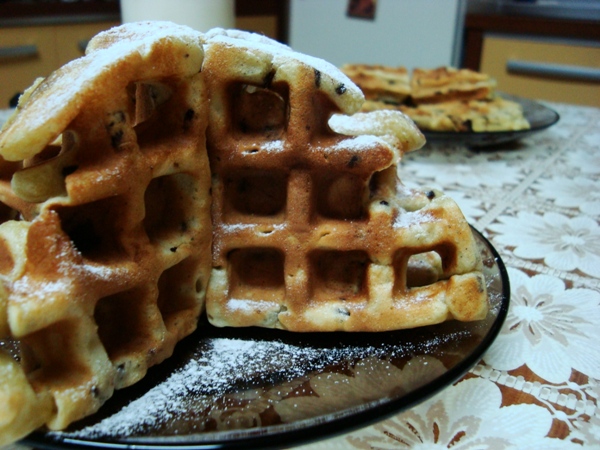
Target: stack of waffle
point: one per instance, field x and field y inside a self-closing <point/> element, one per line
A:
<point x="441" y="99"/>
<point x="109" y="171"/>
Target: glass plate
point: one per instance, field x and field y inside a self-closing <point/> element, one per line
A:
<point x="258" y="388"/>
<point x="539" y="116"/>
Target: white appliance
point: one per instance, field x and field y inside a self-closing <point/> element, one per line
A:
<point x="409" y="33"/>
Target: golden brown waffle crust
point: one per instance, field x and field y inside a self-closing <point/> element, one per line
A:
<point x="107" y="257"/>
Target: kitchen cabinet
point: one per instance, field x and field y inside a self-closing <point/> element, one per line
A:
<point x="24" y="52"/>
<point x="30" y="52"/>
<point x="549" y="59"/>
<point x="38" y="37"/>
<point x="268" y="17"/>
<point x="544" y="69"/>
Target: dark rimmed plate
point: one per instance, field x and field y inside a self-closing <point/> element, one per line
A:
<point x="539" y="116"/>
<point x="254" y="388"/>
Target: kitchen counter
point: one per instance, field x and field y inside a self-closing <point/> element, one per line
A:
<point x="538" y="385"/>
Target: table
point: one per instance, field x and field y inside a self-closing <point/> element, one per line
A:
<point x="538" y="386"/>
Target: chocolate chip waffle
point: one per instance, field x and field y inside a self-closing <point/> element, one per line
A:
<point x="443" y="99"/>
<point x="105" y="245"/>
<point x="497" y="114"/>
<point x="312" y="229"/>
<point x="445" y="84"/>
<point x="380" y="83"/>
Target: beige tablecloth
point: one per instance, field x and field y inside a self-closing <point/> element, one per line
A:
<point x="538" y="386"/>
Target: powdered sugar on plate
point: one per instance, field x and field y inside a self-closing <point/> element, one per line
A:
<point x="212" y="372"/>
<point x="222" y="369"/>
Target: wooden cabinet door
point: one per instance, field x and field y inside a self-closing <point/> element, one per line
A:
<point x="72" y="39"/>
<point x="25" y="54"/>
<point x="537" y="65"/>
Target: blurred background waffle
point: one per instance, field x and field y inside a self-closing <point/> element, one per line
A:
<point x="439" y="99"/>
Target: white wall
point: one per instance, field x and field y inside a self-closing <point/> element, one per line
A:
<point x="410" y="33"/>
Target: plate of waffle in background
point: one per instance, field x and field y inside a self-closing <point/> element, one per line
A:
<point x="451" y="105"/>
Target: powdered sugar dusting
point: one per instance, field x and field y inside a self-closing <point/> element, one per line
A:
<point x="392" y="126"/>
<point x="246" y="36"/>
<point x="234" y="227"/>
<point x="358" y="143"/>
<point x="249" y="306"/>
<point x="273" y="146"/>
<point x="213" y="372"/>
<point x="406" y="219"/>
<point x="337" y="82"/>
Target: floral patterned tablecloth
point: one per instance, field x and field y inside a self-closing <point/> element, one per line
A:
<point x="538" y="386"/>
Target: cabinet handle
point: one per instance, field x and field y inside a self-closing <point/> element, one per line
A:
<point x="578" y="73"/>
<point x="20" y="51"/>
<point x="82" y="45"/>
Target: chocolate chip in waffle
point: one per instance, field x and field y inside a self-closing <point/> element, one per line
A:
<point x="106" y="237"/>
